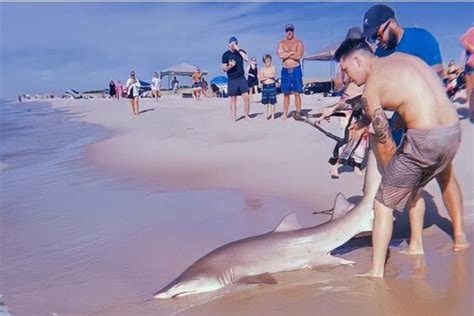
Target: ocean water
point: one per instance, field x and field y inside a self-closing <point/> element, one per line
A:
<point x="75" y="240"/>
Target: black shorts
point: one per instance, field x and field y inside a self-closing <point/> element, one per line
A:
<point x="237" y="87"/>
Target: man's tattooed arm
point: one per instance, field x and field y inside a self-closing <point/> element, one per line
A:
<point x="381" y="128"/>
<point x="385" y="145"/>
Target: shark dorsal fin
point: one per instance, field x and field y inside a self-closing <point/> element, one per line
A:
<point x="341" y="206"/>
<point x="289" y="223"/>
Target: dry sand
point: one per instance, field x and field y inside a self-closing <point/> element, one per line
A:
<point x="278" y="166"/>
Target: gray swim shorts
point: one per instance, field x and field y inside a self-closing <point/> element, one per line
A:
<point x="423" y="155"/>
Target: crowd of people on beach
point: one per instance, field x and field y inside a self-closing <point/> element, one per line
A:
<point x="393" y="68"/>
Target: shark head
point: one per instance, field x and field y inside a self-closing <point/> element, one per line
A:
<point x="189" y="285"/>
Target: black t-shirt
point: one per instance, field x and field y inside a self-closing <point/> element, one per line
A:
<point x="238" y="70"/>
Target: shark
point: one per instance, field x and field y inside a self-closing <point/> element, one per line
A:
<point x="288" y="247"/>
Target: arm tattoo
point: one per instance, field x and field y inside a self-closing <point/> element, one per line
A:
<point x="381" y="127"/>
<point x="379" y="123"/>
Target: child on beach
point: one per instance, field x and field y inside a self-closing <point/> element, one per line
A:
<point x="267" y="79"/>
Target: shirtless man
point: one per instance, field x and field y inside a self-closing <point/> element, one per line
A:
<point x="290" y="51"/>
<point x="407" y="85"/>
<point x="197" y="84"/>
<point x="382" y="28"/>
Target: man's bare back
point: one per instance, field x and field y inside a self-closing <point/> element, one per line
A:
<point x="290" y="52"/>
<point x="407" y="85"/>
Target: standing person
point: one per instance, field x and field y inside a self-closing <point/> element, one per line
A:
<point x="155" y="86"/>
<point x="133" y="92"/>
<point x="467" y="41"/>
<point x="267" y="76"/>
<point x="175" y="85"/>
<point x="197" y="85"/>
<point x="290" y="51"/>
<point x="119" y="89"/>
<point x="112" y="91"/>
<point x="253" y="78"/>
<point x="404" y="84"/>
<point x="233" y="65"/>
<point x="382" y="28"/>
<point x="205" y="86"/>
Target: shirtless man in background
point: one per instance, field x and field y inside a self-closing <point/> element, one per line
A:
<point x="407" y="85"/>
<point x="290" y="51"/>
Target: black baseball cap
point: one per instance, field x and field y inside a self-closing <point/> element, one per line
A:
<point x="289" y="26"/>
<point x="374" y="17"/>
<point x="233" y="39"/>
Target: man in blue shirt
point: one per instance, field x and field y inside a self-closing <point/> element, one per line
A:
<point x="381" y="27"/>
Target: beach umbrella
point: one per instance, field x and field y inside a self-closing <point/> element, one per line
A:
<point x="219" y="81"/>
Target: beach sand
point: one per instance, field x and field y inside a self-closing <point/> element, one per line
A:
<point x="261" y="171"/>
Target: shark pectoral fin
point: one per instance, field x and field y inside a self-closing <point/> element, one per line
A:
<point x="289" y="223"/>
<point x="330" y="262"/>
<point x="264" y="278"/>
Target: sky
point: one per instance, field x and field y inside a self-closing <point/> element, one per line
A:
<point x="48" y="47"/>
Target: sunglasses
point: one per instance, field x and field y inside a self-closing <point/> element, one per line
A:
<point x="377" y="37"/>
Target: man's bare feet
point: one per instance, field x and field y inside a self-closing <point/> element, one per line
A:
<point x="410" y="251"/>
<point x="248" y="118"/>
<point x="284" y="117"/>
<point x="370" y="274"/>
<point x="460" y="243"/>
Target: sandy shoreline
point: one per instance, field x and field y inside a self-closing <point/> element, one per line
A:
<point x="180" y="144"/>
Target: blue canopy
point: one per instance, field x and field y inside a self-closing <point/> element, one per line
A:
<point x="219" y="81"/>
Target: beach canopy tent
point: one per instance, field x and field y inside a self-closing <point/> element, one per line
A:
<point x="219" y="85"/>
<point x="325" y="54"/>
<point x="183" y="69"/>
<point x="219" y="81"/>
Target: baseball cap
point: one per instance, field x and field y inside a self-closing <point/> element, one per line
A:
<point x="289" y="26"/>
<point x="233" y="39"/>
<point x="374" y="17"/>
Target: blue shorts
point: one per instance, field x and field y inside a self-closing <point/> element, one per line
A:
<point x="291" y="80"/>
<point x="269" y="92"/>
<point x="237" y="87"/>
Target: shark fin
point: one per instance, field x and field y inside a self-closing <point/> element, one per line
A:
<point x="289" y="223"/>
<point x="264" y="278"/>
<point x="341" y="206"/>
<point x="330" y="262"/>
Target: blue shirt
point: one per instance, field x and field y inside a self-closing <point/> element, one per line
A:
<point x="416" y="42"/>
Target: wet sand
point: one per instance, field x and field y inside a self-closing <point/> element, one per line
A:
<point x="191" y="180"/>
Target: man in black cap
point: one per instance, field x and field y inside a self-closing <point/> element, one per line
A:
<point x="381" y="27"/>
<point x="290" y="51"/>
<point x="233" y="65"/>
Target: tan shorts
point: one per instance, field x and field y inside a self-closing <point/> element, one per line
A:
<point x="423" y="155"/>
